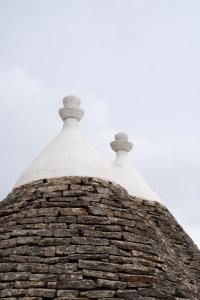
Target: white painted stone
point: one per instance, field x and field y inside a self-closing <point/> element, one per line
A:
<point x="69" y="154"/>
<point x="126" y="175"/>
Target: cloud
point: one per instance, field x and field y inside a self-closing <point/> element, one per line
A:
<point x="96" y="123"/>
<point x="25" y="105"/>
<point x="97" y="110"/>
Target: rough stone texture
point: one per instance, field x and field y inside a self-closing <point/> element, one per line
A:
<point x="84" y="238"/>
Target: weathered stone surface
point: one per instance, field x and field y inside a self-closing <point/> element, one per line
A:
<point x="68" y="293"/>
<point x="127" y="294"/>
<point x="110" y="284"/>
<point x="29" y="284"/>
<point x="100" y="274"/>
<point x="45" y="293"/>
<point x="84" y="238"/>
<point x="33" y="268"/>
<point x="98" y="294"/>
<point x="98" y="265"/>
<point x="53" y="242"/>
<point x="12" y="276"/>
<point x="63" y="268"/>
<point x="89" y="241"/>
<point x="136" y="278"/>
<point x="73" y="211"/>
<point x="83" y="284"/>
<point x="102" y="234"/>
<point x="65" y="250"/>
<point x="65" y="232"/>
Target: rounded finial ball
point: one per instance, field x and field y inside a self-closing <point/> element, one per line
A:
<point x="121" y="143"/>
<point x="121" y="136"/>
<point x="71" y="108"/>
<point x="71" y="101"/>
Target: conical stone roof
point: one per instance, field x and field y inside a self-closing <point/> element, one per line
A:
<point x="77" y="238"/>
<point x="69" y="154"/>
<point x="126" y="174"/>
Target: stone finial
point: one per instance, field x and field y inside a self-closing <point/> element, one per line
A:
<point x="121" y="143"/>
<point x="71" y="108"/>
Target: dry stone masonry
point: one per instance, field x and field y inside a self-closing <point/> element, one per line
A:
<point x="85" y="238"/>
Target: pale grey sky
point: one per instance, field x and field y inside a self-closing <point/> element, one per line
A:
<point x="136" y="67"/>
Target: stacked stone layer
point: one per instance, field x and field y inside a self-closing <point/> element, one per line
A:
<point x="84" y="238"/>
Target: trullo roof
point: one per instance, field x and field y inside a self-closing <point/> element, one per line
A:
<point x="126" y="174"/>
<point x="69" y="154"/>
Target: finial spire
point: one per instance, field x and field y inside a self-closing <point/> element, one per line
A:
<point x="71" y="108"/>
<point x="126" y="175"/>
<point x="121" y="143"/>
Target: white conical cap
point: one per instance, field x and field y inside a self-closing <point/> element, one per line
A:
<point x="127" y="175"/>
<point x="69" y="154"/>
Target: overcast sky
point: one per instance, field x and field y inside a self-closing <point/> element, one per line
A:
<point x="136" y="67"/>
